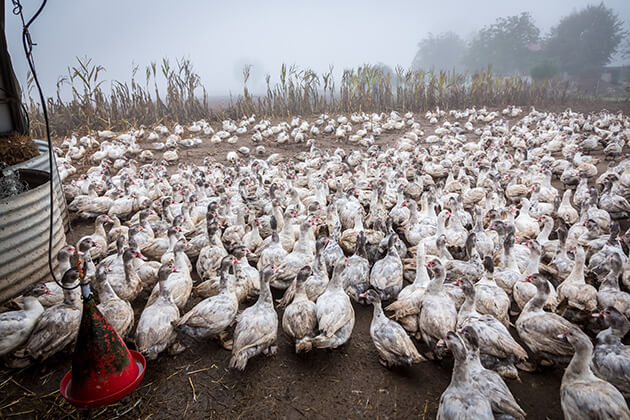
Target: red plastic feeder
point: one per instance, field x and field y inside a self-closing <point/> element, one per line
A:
<point x="103" y="370"/>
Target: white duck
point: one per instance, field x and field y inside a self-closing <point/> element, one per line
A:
<point x="257" y="326"/>
<point x="335" y="314"/>
<point x="16" y="326"/>
<point x="582" y="394"/>
<point x="387" y="274"/>
<point x="156" y="328"/>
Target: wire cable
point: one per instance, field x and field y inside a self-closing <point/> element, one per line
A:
<point x="28" y="44"/>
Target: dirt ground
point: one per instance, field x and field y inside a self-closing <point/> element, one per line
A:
<point x="347" y="382"/>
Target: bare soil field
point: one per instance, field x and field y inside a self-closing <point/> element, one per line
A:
<point x="345" y="383"/>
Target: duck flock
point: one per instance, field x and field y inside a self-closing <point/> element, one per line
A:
<point x="496" y="241"/>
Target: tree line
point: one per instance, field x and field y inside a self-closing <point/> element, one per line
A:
<point x="581" y="41"/>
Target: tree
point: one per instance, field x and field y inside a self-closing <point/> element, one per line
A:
<point x="509" y="45"/>
<point x="442" y="51"/>
<point x="545" y="70"/>
<point x="586" y="39"/>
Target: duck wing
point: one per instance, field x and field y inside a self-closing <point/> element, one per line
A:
<point x="333" y="312"/>
<point x="390" y="337"/>
<point x="589" y="400"/>
<point x="255" y="327"/>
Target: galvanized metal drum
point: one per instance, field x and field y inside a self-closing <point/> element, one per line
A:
<point x="24" y="227"/>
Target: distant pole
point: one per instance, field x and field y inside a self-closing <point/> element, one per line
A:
<point x="12" y="117"/>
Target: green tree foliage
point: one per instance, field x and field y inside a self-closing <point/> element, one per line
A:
<point x="509" y="45"/>
<point x="442" y="51"/>
<point x="585" y="39"/>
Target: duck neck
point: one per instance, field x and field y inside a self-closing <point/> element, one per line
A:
<point x="64" y="262"/>
<point x="534" y="263"/>
<point x="172" y="239"/>
<point x="413" y="214"/>
<point x="335" y="283"/>
<point x="300" y="290"/>
<point x="358" y="222"/>
<point x="422" y="276"/>
<point x="577" y="274"/>
<point x="72" y="297"/>
<point x="536" y="303"/>
<point x="99" y="229"/>
<point x="460" y="371"/>
<point x="579" y="366"/>
<point x="435" y="285"/>
<point x="265" y="294"/>
<point x="360" y="251"/>
<point x="611" y="281"/>
<point x="467" y="308"/>
<point x="378" y="311"/>
<point x="543" y="236"/>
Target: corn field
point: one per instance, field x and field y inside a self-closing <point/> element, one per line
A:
<point x="367" y="88"/>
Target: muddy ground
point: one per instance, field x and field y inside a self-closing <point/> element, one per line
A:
<point x="347" y="382"/>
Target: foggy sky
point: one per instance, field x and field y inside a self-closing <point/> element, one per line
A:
<point x="220" y="36"/>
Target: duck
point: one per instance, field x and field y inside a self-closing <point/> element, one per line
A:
<point x="489" y="382"/>
<point x="406" y="308"/>
<point x="523" y="291"/>
<point x="472" y="268"/>
<point x="539" y="330"/>
<point x="424" y="224"/>
<point x="299" y="320"/>
<point x="491" y="299"/>
<point x="561" y="264"/>
<point x="179" y="283"/>
<point x="611" y="358"/>
<point x="462" y="399"/>
<point x="210" y="256"/>
<point x="356" y="277"/>
<point x="303" y="254"/>
<point x="499" y="351"/>
<point x="566" y="211"/>
<point x="156" y="327"/>
<point x="212" y="316"/>
<point x="127" y="285"/>
<point x="58" y="325"/>
<point x="99" y="237"/>
<point x="317" y="281"/>
<point x="508" y="274"/>
<point x="582" y="394"/>
<point x="392" y="343"/>
<point x="251" y="276"/>
<point x="16" y="326"/>
<point x="598" y="258"/>
<point x="161" y="245"/>
<point x="257" y="326"/>
<point x="386" y="275"/>
<point x="117" y="311"/>
<point x="609" y="293"/>
<point x="335" y="314"/>
<point x="438" y="315"/>
<point x="274" y="253"/>
<point x="617" y="206"/>
<point x="574" y="289"/>
<point x="526" y="226"/>
<point x="147" y="270"/>
<point x="117" y="230"/>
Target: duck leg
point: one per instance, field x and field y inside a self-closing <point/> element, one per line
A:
<point x="224" y="341"/>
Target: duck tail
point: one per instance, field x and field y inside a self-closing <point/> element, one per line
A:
<point x="288" y="296"/>
<point x="239" y="361"/>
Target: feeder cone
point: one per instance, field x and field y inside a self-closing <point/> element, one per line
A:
<point x="103" y="369"/>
